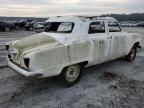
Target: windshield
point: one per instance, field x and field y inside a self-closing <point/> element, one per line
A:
<point x="59" y="27"/>
<point x="21" y="20"/>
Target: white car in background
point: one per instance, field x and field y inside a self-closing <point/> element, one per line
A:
<point x="68" y="45"/>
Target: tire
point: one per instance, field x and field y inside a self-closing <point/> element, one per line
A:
<point x="132" y="54"/>
<point x="71" y="75"/>
<point x="7" y="29"/>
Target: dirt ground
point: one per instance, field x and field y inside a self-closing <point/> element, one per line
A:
<point x="115" y="84"/>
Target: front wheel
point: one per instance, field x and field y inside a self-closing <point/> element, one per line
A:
<point x="71" y="75"/>
<point x="132" y="55"/>
<point x="7" y="29"/>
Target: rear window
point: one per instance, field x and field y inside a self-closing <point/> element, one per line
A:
<point x="59" y="27"/>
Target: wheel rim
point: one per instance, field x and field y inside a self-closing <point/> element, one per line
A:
<point x="7" y="28"/>
<point x="72" y="73"/>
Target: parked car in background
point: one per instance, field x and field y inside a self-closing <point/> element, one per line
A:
<point x="5" y="26"/>
<point x="140" y="24"/>
<point x="29" y="25"/>
<point x="70" y="44"/>
<point x="21" y="23"/>
<point x="40" y="26"/>
<point x="126" y="24"/>
<point x="131" y="24"/>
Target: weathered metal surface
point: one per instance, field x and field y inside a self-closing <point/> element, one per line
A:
<point x="51" y="52"/>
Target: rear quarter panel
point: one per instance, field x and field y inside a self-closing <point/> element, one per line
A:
<point x="52" y="60"/>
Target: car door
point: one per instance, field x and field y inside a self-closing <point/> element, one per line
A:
<point x="100" y="40"/>
<point x="113" y="32"/>
<point x="116" y="48"/>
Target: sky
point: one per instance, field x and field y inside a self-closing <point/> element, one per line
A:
<point x="46" y="8"/>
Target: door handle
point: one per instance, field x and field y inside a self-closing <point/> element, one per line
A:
<point x="109" y="37"/>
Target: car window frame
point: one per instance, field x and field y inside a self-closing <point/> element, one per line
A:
<point x="73" y="25"/>
<point x="97" y="32"/>
<point x="117" y="25"/>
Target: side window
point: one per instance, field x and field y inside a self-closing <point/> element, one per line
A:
<point x="97" y="27"/>
<point x="114" y="26"/>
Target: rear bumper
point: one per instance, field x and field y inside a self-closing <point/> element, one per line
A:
<point x="22" y="71"/>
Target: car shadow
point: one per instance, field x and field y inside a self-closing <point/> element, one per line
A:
<point x="28" y="88"/>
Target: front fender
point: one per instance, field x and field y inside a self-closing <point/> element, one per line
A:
<point x="135" y="39"/>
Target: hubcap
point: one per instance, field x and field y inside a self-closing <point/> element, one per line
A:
<point x="72" y="73"/>
<point x="7" y="29"/>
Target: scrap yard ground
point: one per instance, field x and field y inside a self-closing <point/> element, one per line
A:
<point x="115" y="84"/>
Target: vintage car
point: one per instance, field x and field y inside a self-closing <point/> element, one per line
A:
<point x="69" y="44"/>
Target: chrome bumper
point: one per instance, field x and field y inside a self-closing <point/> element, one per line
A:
<point x="22" y="71"/>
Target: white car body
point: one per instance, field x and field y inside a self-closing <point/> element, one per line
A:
<point x="49" y="53"/>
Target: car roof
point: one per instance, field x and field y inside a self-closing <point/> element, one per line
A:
<point x="79" y="19"/>
<point x="2" y="21"/>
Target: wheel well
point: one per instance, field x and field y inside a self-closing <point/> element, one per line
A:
<point x="83" y="64"/>
<point x="136" y="44"/>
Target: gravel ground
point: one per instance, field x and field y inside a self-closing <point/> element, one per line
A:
<point x="115" y="84"/>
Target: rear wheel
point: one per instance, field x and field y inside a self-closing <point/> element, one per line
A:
<point x="132" y="55"/>
<point x="71" y="75"/>
<point x="7" y="29"/>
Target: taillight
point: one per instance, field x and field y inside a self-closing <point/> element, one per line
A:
<point x="26" y="62"/>
<point x="7" y="47"/>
